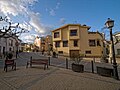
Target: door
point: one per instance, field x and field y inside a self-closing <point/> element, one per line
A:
<point x="4" y="51"/>
<point x="74" y="53"/>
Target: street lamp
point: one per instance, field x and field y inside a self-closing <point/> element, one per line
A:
<point x="109" y="24"/>
<point x="48" y="45"/>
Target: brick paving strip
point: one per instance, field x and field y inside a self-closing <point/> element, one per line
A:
<point x="67" y="80"/>
<point x="16" y="80"/>
<point x="5" y="85"/>
<point x="91" y="76"/>
<point x="38" y="79"/>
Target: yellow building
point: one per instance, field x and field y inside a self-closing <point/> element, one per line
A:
<point x="37" y="44"/>
<point x="74" y="39"/>
<point x="48" y="43"/>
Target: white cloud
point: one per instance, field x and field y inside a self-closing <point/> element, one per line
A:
<point x="28" y="38"/>
<point x="52" y="11"/>
<point x="34" y="21"/>
<point x="26" y="26"/>
<point x="62" y="21"/>
<point x="57" y="5"/>
<point x="14" y="8"/>
<point x="39" y="27"/>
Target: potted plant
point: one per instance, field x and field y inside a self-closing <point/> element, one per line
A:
<point x="76" y="66"/>
<point x="9" y="55"/>
<point x="55" y="55"/>
<point x="104" y="59"/>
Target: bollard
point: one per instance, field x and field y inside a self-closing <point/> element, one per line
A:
<point x="30" y="61"/>
<point x="49" y="60"/>
<point x="31" y="58"/>
<point x="66" y="63"/>
<point x="92" y="66"/>
<point x="94" y="59"/>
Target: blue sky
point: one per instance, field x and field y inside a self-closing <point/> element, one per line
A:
<point x="42" y="16"/>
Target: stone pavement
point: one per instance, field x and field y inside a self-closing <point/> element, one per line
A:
<point x="54" y="78"/>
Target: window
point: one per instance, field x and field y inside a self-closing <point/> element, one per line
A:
<point x="57" y="44"/>
<point x="0" y="40"/>
<point x="0" y="49"/>
<point x="92" y="43"/>
<point x="10" y="42"/>
<point x="118" y="51"/>
<point x="56" y="35"/>
<point x="88" y="52"/>
<point x="65" y="43"/>
<point x="10" y="49"/>
<point x="98" y="43"/>
<point x="107" y="51"/>
<point x="73" y="32"/>
<point x="75" y="43"/>
<point x="4" y="50"/>
<point x="60" y="52"/>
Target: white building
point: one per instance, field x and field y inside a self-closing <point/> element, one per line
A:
<point x="9" y="44"/>
<point x="117" y="44"/>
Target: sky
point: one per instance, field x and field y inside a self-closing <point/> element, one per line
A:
<point x="42" y="16"/>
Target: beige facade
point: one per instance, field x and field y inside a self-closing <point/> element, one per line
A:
<point x="48" y="43"/>
<point x="26" y="47"/>
<point x="37" y="44"/>
<point x="74" y="39"/>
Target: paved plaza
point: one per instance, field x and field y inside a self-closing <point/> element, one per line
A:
<point x="54" y="78"/>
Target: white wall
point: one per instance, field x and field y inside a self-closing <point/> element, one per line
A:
<point x="4" y="42"/>
<point x="117" y="46"/>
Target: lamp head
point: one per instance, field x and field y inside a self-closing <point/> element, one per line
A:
<point x="109" y="23"/>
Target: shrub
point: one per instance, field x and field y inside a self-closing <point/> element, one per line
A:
<point x="77" y="59"/>
<point x="9" y="55"/>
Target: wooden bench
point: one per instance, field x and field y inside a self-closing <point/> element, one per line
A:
<point x="38" y="62"/>
<point x="10" y="63"/>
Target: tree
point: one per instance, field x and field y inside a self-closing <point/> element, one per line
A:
<point x="10" y="30"/>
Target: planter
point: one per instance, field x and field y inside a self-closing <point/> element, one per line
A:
<point x="104" y="61"/>
<point x="103" y="71"/>
<point x="77" y="67"/>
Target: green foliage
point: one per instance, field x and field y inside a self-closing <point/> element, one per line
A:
<point x="9" y="55"/>
<point x="77" y="58"/>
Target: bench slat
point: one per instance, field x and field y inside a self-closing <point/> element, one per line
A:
<point x="9" y="63"/>
<point x="38" y="62"/>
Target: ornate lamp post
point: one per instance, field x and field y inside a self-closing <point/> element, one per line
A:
<point x="48" y="46"/>
<point x="109" y="24"/>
